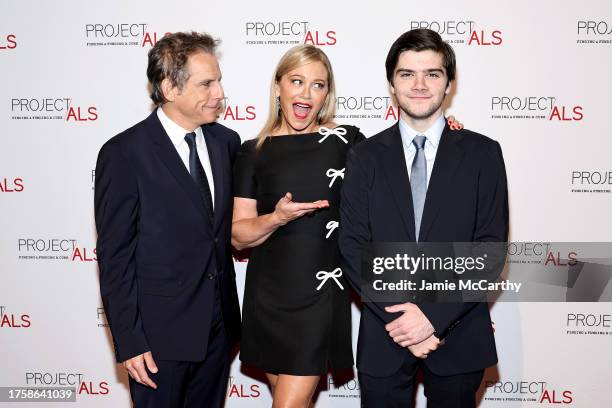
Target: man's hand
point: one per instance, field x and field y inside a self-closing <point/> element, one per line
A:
<point x="424" y="348"/>
<point x="411" y="327"/>
<point x="137" y="370"/>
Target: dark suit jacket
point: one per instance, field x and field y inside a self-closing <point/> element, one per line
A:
<point x="158" y="255"/>
<point x="466" y="201"/>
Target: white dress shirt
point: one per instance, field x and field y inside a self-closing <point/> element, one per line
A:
<point x="177" y="136"/>
<point x="433" y="134"/>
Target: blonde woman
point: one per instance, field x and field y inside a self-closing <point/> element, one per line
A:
<point x="296" y="309"/>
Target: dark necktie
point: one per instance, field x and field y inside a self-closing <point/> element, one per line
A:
<point x="197" y="173"/>
<point x="418" y="181"/>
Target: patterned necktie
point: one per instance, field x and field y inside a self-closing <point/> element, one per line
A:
<point x="418" y="181"/>
<point x="198" y="175"/>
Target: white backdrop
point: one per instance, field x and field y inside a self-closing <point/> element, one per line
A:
<point x="532" y="75"/>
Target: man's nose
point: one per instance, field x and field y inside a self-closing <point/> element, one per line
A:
<point x="217" y="91"/>
<point x="419" y="82"/>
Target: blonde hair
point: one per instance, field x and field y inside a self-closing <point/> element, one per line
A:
<point x="296" y="57"/>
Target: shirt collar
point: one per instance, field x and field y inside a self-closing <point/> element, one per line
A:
<point x="433" y="134"/>
<point x="174" y="131"/>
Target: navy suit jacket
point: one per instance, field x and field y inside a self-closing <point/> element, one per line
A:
<point x="466" y="201"/>
<point x="158" y="255"/>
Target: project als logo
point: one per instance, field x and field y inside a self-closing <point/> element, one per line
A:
<point x="101" y="314"/>
<point x="546" y="108"/>
<point x="12" y="185"/>
<point x="10" y="319"/>
<point x="519" y="391"/>
<point x="591" y="181"/>
<point x="8" y="42"/>
<point x="348" y="389"/>
<point x="237" y="111"/>
<point x="288" y="32"/>
<point x="121" y="35"/>
<point x="84" y="385"/>
<point x="540" y="253"/>
<point x="463" y="32"/>
<point x="366" y="107"/>
<point x="589" y="32"/>
<point x="588" y="324"/>
<point x="55" y="108"/>
<point x="240" y="389"/>
<point x="54" y="249"/>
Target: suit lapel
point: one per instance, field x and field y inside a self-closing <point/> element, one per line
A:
<point x="394" y="166"/>
<point x="166" y="152"/>
<point x="448" y="158"/>
<point x="216" y="163"/>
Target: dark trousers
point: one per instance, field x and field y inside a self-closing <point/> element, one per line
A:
<point x="455" y="391"/>
<point x="184" y="384"/>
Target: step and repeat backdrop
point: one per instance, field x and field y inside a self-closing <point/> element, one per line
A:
<point x="533" y="75"/>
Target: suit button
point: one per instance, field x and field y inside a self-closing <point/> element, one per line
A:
<point x="216" y="240"/>
<point x="211" y="276"/>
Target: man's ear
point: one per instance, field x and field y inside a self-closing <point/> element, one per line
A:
<point x="448" y="87"/>
<point x="391" y="89"/>
<point x="170" y="91"/>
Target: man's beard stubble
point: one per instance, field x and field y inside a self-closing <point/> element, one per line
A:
<point x="427" y="114"/>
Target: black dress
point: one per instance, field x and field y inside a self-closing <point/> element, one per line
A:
<point x="296" y="311"/>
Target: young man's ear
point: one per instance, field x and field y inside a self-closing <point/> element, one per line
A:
<point x="448" y="87"/>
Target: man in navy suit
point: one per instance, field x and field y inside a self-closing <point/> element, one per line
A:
<point x="163" y="207"/>
<point x="421" y="181"/>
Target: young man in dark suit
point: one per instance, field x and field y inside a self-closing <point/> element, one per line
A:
<point x="163" y="207"/>
<point x="421" y="181"/>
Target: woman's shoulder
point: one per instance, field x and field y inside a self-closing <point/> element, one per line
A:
<point x="350" y="132"/>
<point x="247" y="148"/>
<point x="249" y="144"/>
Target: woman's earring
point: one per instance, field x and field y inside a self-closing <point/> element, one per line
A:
<point x="278" y="105"/>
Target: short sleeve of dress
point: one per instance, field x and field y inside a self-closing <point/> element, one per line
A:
<point x="354" y="135"/>
<point x="245" y="184"/>
<point x="359" y="137"/>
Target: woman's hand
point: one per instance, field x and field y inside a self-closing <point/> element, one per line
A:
<point x="288" y="210"/>
<point x="454" y="124"/>
<point x="250" y="229"/>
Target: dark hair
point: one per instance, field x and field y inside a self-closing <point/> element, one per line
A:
<point x="168" y="59"/>
<point x="421" y="39"/>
